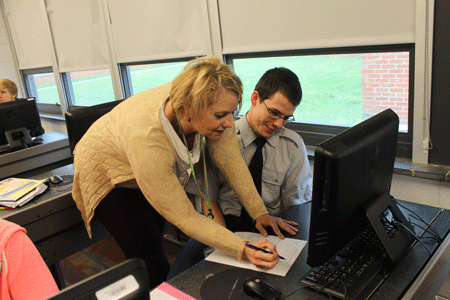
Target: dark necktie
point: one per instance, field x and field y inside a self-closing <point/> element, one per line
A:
<point x="255" y="167"/>
<point x="256" y="164"/>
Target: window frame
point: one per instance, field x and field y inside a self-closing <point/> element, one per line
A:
<point x="313" y="134"/>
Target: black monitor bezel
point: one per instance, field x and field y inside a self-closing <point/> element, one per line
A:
<point x="80" y="119"/>
<point x="348" y="175"/>
<point x="133" y="268"/>
<point x="17" y="114"/>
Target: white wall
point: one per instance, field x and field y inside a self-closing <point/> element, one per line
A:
<point x="54" y="125"/>
<point x="7" y="65"/>
<point x="423" y="191"/>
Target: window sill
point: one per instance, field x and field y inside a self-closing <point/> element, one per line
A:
<point x="55" y="117"/>
<point x="430" y="171"/>
<point x="404" y="166"/>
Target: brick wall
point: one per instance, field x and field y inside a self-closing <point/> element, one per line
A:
<point x="385" y="83"/>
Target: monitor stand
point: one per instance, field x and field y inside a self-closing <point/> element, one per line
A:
<point x="383" y="214"/>
<point x="18" y="138"/>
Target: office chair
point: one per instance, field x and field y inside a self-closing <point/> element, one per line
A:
<point x="80" y="119"/>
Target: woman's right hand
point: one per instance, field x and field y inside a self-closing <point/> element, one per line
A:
<point x="260" y="258"/>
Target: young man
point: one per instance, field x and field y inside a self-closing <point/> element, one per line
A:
<point x="286" y="174"/>
<point x="286" y="177"/>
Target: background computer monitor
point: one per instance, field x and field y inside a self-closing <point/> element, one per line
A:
<point x="79" y="120"/>
<point x="350" y="170"/>
<point x="127" y="280"/>
<point x="21" y="113"/>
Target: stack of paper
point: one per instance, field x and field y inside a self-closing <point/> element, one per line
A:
<point x="16" y="192"/>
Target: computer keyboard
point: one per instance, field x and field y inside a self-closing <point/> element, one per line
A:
<point x="348" y="272"/>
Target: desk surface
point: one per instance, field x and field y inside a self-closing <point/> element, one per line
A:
<point x="53" y="222"/>
<point x="53" y="152"/>
<point x="393" y="287"/>
<point x="54" y="199"/>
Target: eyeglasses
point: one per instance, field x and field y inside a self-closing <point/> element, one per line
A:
<point x="276" y="115"/>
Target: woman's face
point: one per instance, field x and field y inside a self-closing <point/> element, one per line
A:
<point x="6" y="96"/>
<point x="217" y="117"/>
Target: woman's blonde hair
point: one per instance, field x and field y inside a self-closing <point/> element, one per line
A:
<point x="9" y="85"/>
<point x="201" y="82"/>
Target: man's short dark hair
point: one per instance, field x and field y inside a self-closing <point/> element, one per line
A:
<point x="280" y="80"/>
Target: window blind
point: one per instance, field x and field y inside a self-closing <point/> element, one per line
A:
<point x="270" y="25"/>
<point x="27" y="31"/>
<point x="79" y="34"/>
<point x="153" y="29"/>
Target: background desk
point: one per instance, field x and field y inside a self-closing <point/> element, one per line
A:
<point x="393" y="287"/>
<point x="54" y="223"/>
<point x="54" y="152"/>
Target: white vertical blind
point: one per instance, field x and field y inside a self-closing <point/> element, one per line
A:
<point x="79" y="34"/>
<point x="155" y="29"/>
<point x="269" y="25"/>
<point x="27" y="31"/>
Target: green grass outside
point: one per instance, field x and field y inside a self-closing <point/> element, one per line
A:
<point x="332" y="92"/>
<point x="331" y="86"/>
<point x="150" y="76"/>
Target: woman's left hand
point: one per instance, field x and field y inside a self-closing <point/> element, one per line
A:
<point x="276" y="223"/>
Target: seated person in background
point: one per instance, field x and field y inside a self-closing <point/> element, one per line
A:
<point x="8" y="90"/>
<point x="23" y="272"/>
<point x="286" y="175"/>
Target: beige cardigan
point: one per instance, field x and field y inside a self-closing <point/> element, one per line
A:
<point x="129" y="143"/>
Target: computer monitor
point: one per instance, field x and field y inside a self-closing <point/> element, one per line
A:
<point x="80" y="119"/>
<point x="350" y="171"/>
<point x="17" y="119"/>
<point x="127" y="280"/>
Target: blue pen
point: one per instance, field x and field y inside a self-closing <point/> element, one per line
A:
<point x="259" y="249"/>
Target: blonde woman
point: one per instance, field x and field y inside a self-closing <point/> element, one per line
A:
<point x="132" y="164"/>
<point x="8" y="90"/>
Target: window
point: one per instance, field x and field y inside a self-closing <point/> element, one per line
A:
<point x="44" y="88"/>
<point x="142" y="77"/>
<point x="341" y="87"/>
<point x="41" y="84"/>
<point x="90" y="87"/>
<point x="84" y="88"/>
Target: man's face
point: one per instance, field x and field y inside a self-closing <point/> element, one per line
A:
<point x="266" y="116"/>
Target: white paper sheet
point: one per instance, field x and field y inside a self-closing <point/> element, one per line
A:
<point x="288" y="248"/>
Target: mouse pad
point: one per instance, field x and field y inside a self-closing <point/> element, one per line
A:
<point x="228" y="284"/>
